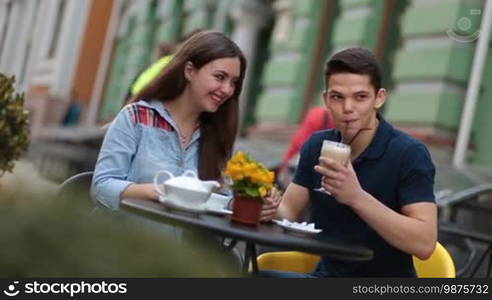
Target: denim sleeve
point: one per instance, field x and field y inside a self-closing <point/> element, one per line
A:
<point x="113" y="163"/>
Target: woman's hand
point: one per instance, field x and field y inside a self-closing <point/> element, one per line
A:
<point x="270" y="205"/>
<point x="141" y="191"/>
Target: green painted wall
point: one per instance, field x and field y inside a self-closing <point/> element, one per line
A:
<point x="359" y="23"/>
<point x="443" y="108"/>
<point x="142" y="28"/>
<point x="133" y="51"/>
<point x="483" y="120"/>
<point x="451" y="63"/>
<point x="418" y="51"/>
<point x="286" y="73"/>
<point x="430" y="55"/>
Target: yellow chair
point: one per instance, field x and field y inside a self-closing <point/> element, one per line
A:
<point x="440" y="264"/>
<point x="291" y="261"/>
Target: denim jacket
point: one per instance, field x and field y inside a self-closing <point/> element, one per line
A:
<point x="142" y="140"/>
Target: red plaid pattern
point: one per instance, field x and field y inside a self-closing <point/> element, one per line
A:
<point x="148" y="116"/>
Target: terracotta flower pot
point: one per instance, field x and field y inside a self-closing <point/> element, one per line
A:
<point x="246" y="209"/>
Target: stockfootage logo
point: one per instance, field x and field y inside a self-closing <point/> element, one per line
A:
<point x="464" y="24"/>
<point x="11" y="291"/>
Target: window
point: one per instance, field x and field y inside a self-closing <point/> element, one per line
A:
<point x="6" y="6"/>
<point x="57" y="28"/>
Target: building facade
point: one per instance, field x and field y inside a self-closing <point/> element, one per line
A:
<point x="93" y="50"/>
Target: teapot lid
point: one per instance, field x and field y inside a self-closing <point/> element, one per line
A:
<point x="186" y="182"/>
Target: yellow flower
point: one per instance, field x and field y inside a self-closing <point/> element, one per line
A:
<point x="247" y="173"/>
<point x="257" y="177"/>
<point x="263" y="191"/>
<point x="249" y="169"/>
<point x="234" y="172"/>
<point x="240" y="157"/>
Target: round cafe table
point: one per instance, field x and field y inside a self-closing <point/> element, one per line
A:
<point x="267" y="234"/>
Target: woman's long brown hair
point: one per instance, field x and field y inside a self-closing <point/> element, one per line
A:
<point x="218" y="130"/>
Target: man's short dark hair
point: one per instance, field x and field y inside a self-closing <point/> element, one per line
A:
<point x="356" y="61"/>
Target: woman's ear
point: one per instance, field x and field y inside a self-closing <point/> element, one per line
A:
<point x="188" y="70"/>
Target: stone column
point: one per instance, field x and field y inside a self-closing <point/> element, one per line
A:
<point x="250" y="16"/>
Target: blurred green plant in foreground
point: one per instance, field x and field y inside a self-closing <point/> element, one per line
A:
<point x="14" y="124"/>
<point x="59" y="238"/>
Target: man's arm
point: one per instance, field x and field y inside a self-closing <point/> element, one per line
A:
<point x="413" y="231"/>
<point x="291" y="206"/>
<point x="294" y="203"/>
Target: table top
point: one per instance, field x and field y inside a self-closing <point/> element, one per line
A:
<point x="266" y="233"/>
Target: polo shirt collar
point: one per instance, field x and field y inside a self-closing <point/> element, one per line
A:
<point x="379" y="143"/>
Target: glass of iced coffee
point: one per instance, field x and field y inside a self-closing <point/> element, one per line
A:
<point x="339" y="152"/>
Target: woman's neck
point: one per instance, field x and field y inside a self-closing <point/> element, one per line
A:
<point x="182" y="111"/>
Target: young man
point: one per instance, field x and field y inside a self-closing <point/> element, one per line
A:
<point x="383" y="198"/>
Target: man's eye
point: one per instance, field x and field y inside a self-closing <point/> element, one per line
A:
<point x="361" y="97"/>
<point x="336" y="97"/>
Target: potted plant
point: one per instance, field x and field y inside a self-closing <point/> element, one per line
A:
<point x="14" y="124"/>
<point x="251" y="181"/>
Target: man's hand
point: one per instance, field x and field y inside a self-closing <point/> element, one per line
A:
<point x="339" y="180"/>
<point x="270" y="205"/>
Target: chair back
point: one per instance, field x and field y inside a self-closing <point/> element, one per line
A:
<point x="79" y="185"/>
<point x="439" y="265"/>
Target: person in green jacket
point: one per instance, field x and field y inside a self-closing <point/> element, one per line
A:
<point x="165" y="54"/>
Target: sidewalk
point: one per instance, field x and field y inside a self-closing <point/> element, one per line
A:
<point x="27" y="179"/>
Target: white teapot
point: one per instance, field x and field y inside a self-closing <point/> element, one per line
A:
<point x="185" y="191"/>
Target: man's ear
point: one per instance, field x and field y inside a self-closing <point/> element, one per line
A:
<point x="380" y="98"/>
<point x="188" y="70"/>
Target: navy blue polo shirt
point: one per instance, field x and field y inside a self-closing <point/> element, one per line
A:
<point x="397" y="170"/>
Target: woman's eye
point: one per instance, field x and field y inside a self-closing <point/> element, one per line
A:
<point x="220" y="77"/>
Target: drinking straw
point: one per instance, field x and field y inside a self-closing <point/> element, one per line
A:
<point x="355" y="136"/>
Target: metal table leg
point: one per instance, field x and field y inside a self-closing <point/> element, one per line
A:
<point x="250" y="256"/>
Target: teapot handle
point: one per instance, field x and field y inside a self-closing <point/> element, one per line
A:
<point x="159" y="186"/>
<point x="190" y="173"/>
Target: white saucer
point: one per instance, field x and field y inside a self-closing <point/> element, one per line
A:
<point x="219" y="211"/>
<point x="173" y="205"/>
<point x="297" y="228"/>
<point x="217" y="203"/>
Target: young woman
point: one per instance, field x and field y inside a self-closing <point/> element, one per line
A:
<point x="186" y="118"/>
